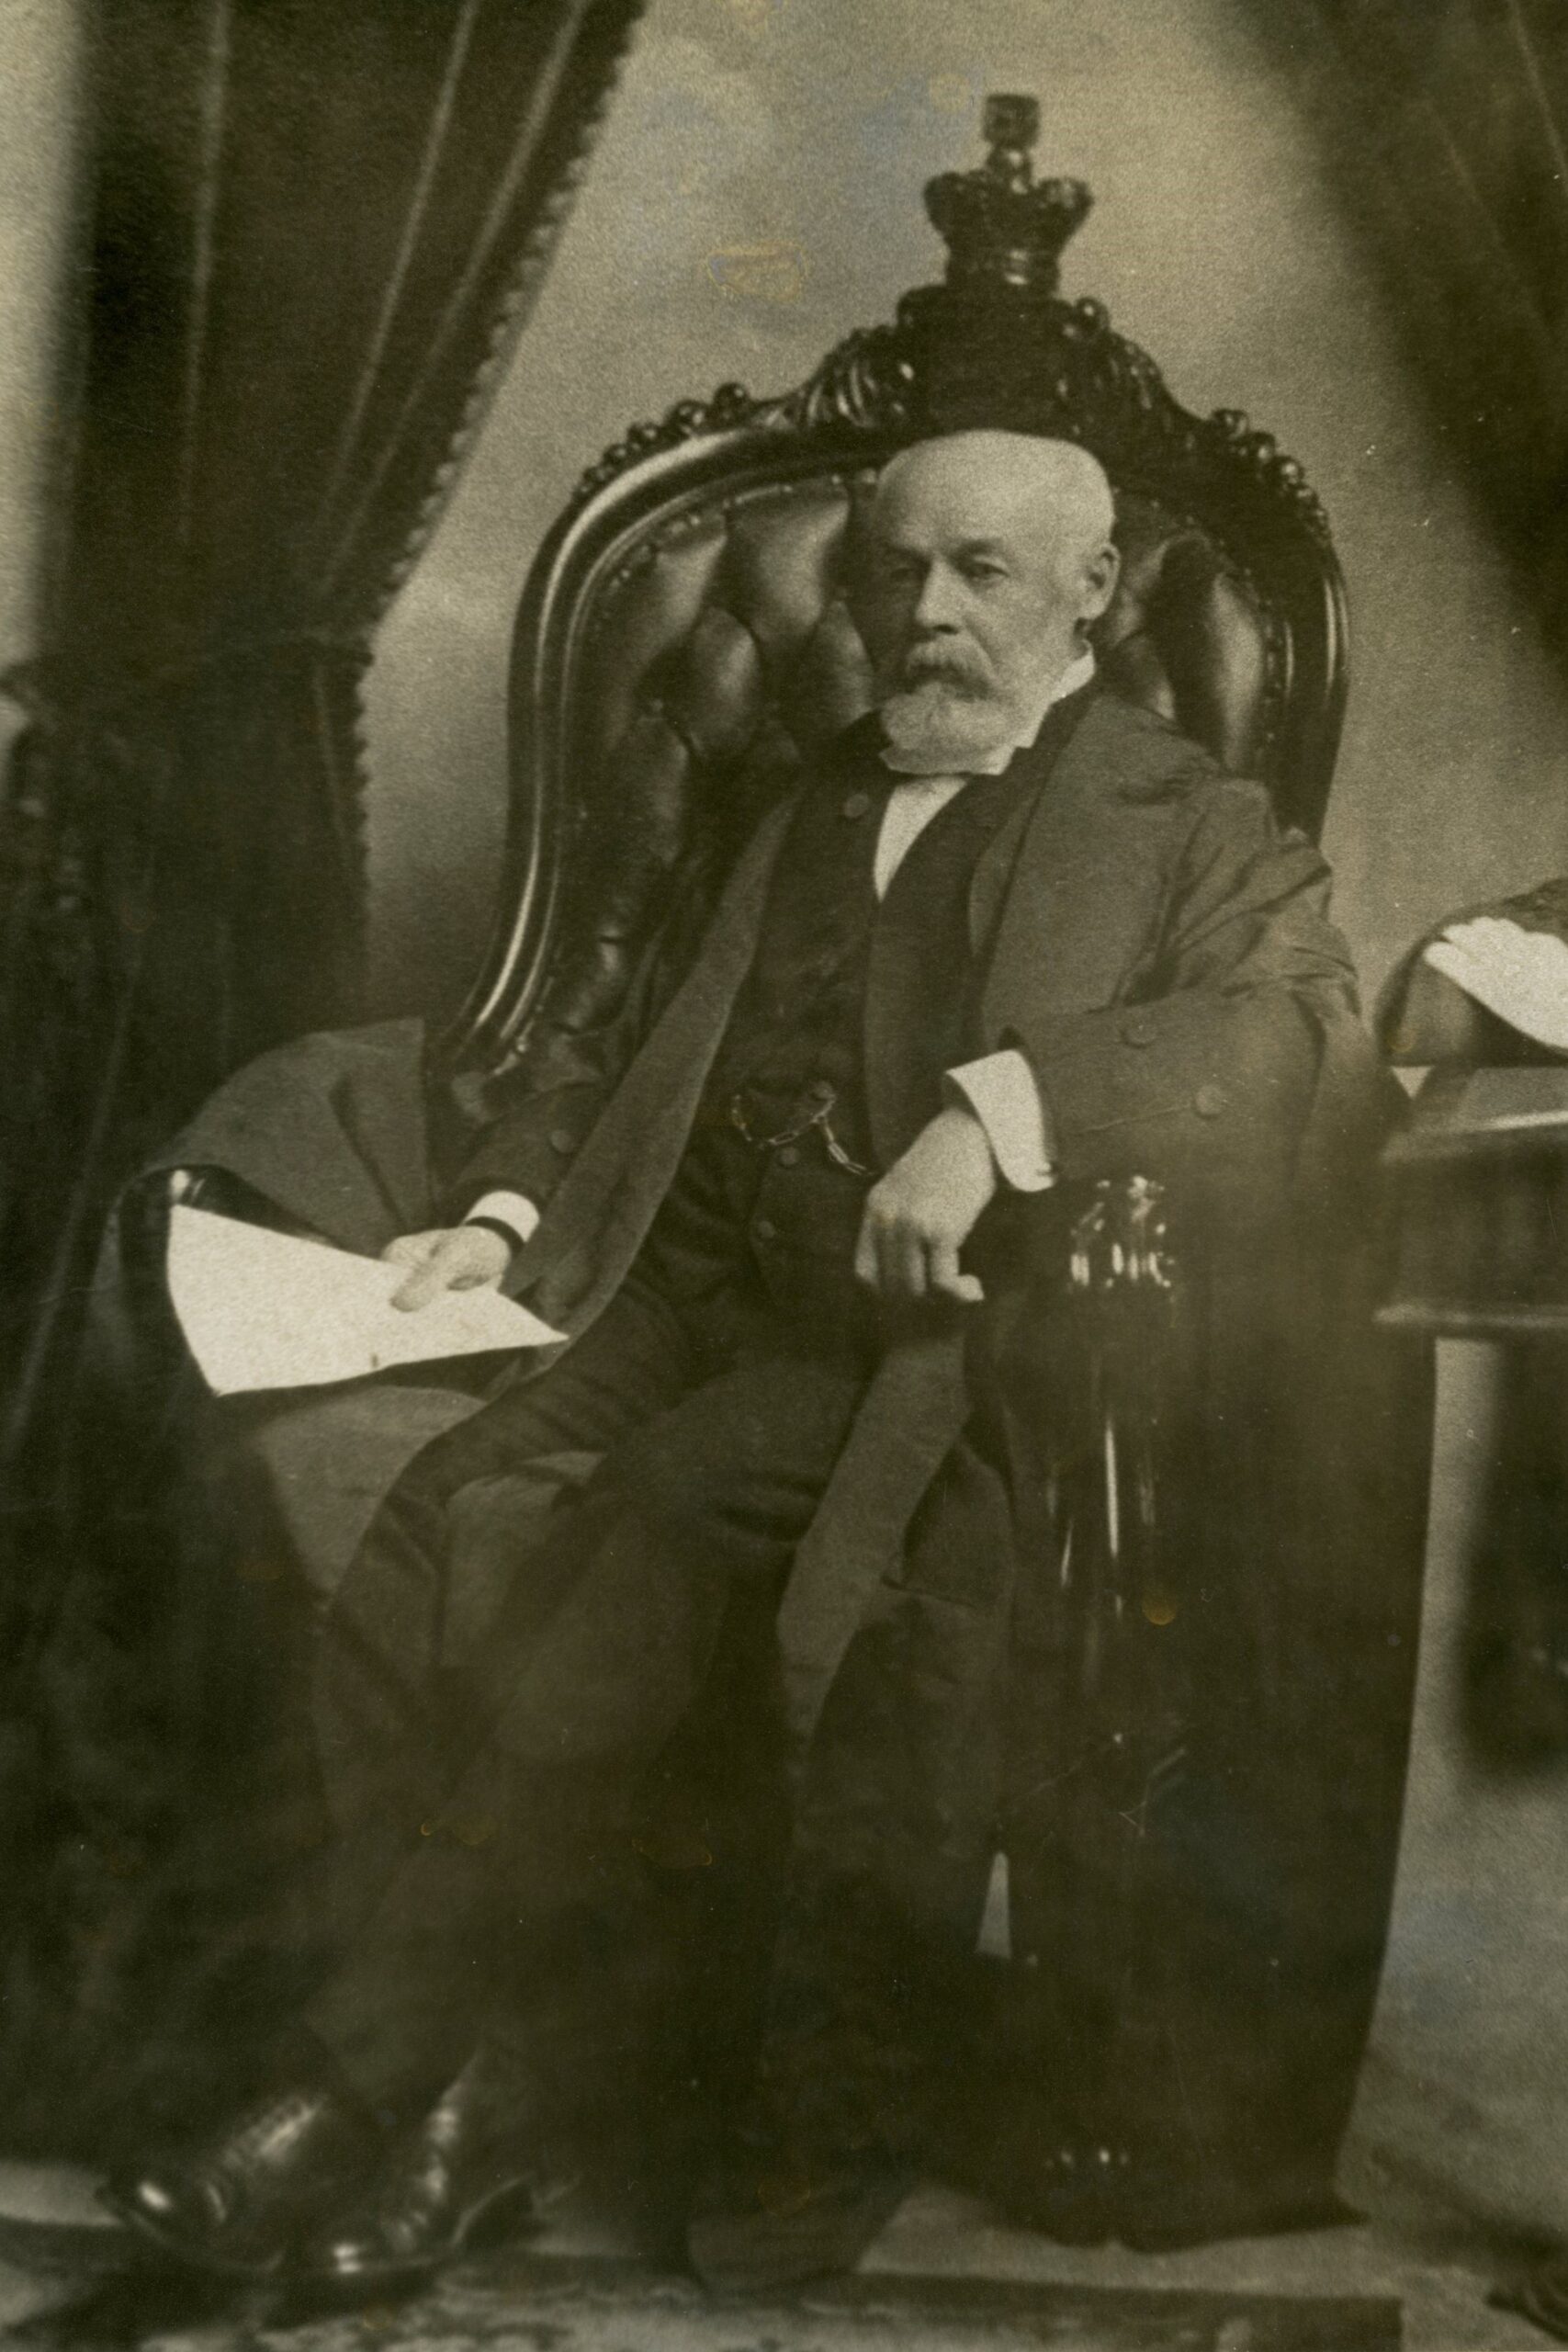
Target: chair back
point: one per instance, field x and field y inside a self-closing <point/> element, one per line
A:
<point x="684" y="642"/>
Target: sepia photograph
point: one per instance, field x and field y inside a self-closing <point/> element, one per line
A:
<point x="783" y="1175"/>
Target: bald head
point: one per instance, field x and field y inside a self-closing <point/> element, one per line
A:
<point x="1051" y="491"/>
<point x="990" y="553"/>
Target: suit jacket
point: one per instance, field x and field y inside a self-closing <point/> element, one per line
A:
<point x="1161" y="952"/>
<point x="1146" y="935"/>
<point x="1137" y="876"/>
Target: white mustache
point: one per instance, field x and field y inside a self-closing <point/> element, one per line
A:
<point x="929" y="666"/>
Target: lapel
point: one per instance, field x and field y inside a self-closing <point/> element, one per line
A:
<point x="1051" y="826"/>
<point x="909" y="929"/>
<point x="596" y="1222"/>
<point x="1065" y="895"/>
<point x="1070" y="891"/>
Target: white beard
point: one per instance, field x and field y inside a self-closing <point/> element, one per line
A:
<point x="936" y="728"/>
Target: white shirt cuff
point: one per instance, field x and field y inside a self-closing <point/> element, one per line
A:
<point x="514" y="1210"/>
<point x="1000" y="1091"/>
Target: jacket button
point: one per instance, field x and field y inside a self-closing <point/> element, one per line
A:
<point x="765" y="1230"/>
<point x="821" y="1090"/>
<point x="562" y="1139"/>
<point x="856" y="805"/>
<point x="1210" y="1101"/>
<point x="1140" y="1031"/>
<point x="789" y="1156"/>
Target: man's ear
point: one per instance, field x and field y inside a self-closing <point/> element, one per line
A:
<point x="1100" y="577"/>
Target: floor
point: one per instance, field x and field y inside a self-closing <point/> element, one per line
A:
<point x="1441" y="2282"/>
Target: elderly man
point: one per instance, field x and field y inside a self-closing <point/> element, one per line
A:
<point x="813" y="1174"/>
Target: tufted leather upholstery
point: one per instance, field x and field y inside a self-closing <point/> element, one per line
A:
<point x="711" y="649"/>
<point x="729" y="628"/>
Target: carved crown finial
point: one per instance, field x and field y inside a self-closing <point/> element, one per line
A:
<point x="1003" y="227"/>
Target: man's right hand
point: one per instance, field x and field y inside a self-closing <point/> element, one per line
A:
<point x="461" y="1257"/>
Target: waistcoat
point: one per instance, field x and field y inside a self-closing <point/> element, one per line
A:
<point x="796" y="1032"/>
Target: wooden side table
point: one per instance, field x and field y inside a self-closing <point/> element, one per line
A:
<point x="1481" y="1178"/>
<point x="1480" y="1195"/>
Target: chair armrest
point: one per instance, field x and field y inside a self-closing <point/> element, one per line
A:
<point x="1105" y="1355"/>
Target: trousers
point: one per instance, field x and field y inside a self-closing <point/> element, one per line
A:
<point x="538" y="1605"/>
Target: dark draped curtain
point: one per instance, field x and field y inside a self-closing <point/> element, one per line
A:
<point x="313" y="227"/>
<point x="1445" y="123"/>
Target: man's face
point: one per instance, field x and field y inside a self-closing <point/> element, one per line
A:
<point x="980" y="576"/>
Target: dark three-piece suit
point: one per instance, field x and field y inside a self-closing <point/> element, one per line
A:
<point x="743" y="1471"/>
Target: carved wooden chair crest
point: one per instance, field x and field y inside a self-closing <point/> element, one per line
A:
<point x="682" y="636"/>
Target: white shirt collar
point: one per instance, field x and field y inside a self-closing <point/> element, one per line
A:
<point x="1077" y="673"/>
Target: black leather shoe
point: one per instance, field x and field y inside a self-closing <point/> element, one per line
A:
<point x="237" y="2204"/>
<point x="1074" y="2193"/>
<point x="1050" y="2174"/>
<point x="456" y="2177"/>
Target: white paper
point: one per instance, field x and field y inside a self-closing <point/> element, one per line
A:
<point x="263" y="1310"/>
<point x="1521" y="976"/>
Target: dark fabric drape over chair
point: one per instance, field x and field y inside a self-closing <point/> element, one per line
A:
<point x="313" y="232"/>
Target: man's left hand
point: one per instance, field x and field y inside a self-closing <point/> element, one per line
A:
<point x="921" y="1214"/>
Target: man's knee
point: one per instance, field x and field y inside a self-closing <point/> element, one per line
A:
<point x="726" y="1478"/>
<point x="685" y="1493"/>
